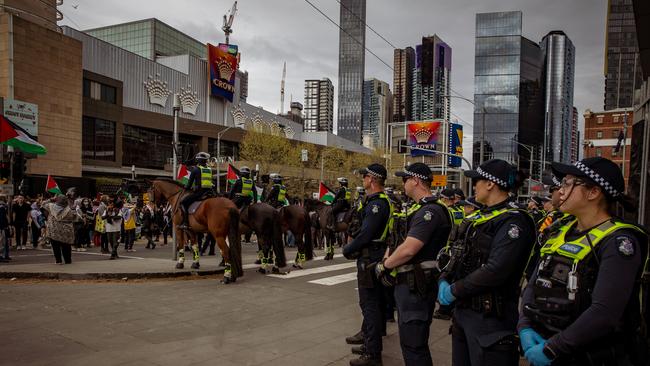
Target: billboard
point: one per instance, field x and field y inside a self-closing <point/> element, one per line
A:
<point x="223" y="61"/>
<point x="423" y="136"/>
<point x="455" y="144"/>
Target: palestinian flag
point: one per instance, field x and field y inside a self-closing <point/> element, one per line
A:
<point x="12" y="135"/>
<point x="232" y="174"/>
<point x="183" y="175"/>
<point x="51" y="186"/>
<point x="324" y="194"/>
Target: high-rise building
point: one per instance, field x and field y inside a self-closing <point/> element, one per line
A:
<point x="403" y="64"/>
<point x="602" y="133"/>
<point x="622" y="63"/>
<point x="575" y="136"/>
<point x="558" y="75"/>
<point x="507" y="91"/>
<point x="431" y="80"/>
<point x="352" y="50"/>
<point x="376" y="112"/>
<point x="150" y="38"/>
<point x="319" y="105"/>
<point x="295" y="113"/>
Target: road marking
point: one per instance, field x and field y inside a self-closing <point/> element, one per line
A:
<point x="335" y="280"/>
<point x="253" y="265"/>
<point x="311" y="271"/>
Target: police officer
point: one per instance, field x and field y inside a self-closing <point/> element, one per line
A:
<point x="199" y="183"/>
<point x="413" y="265"/>
<point x="278" y="195"/>
<point x="449" y="199"/>
<point x="535" y="207"/>
<point x="243" y="192"/>
<point x="581" y="306"/>
<point x="341" y="202"/>
<point x="485" y="281"/>
<point x="469" y="205"/>
<point x="368" y="247"/>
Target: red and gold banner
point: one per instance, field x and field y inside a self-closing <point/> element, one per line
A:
<point x="224" y="61"/>
<point x="423" y="136"/>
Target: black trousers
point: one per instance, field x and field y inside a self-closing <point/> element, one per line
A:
<point x="36" y="235"/>
<point x="372" y="303"/>
<point x="61" y="250"/>
<point x="21" y="233"/>
<point x="415" y="314"/>
<point x="192" y="197"/>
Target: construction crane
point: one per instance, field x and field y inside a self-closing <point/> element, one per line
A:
<point x="284" y="75"/>
<point x="227" y="22"/>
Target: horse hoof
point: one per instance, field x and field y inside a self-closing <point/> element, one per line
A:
<point x="196" y="265"/>
<point x="222" y="263"/>
<point x="275" y="270"/>
<point x="180" y="266"/>
<point x="261" y="270"/>
<point x="226" y="280"/>
<point x="297" y="266"/>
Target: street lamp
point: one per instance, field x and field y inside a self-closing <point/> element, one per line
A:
<point x="219" y="134"/>
<point x="530" y="164"/>
<point x="484" y="112"/>
<point x="176" y="109"/>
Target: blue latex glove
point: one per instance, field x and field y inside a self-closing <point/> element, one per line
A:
<point x="445" y="297"/>
<point x="535" y="355"/>
<point x="530" y="338"/>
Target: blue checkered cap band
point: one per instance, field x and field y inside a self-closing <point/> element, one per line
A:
<point x="374" y="174"/>
<point x="556" y="181"/>
<point x="598" y="179"/>
<point x="412" y="174"/>
<point x="491" y="177"/>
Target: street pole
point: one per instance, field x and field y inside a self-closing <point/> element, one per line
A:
<point x="176" y="109"/>
<point x="481" y="156"/>
<point x="219" y="157"/>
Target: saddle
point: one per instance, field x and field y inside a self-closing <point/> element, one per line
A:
<point x="194" y="206"/>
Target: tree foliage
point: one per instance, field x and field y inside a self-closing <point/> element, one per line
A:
<point x="265" y="149"/>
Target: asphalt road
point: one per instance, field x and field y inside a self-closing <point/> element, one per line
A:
<point x="300" y="318"/>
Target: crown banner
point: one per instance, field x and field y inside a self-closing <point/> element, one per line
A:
<point x="223" y="60"/>
<point x="423" y="136"/>
<point x="455" y="144"/>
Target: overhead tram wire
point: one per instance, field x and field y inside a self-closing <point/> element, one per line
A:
<point x="366" y="24"/>
<point x="346" y="32"/>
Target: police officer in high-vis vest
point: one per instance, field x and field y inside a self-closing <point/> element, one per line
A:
<point x="581" y="306"/>
<point x="199" y="182"/>
<point x="449" y="198"/>
<point x="368" y="247"/>
<point x="484" y="284"/>
<point x="243" y="192"/>
<point x="277" y="196"/>
<point x="412" y="265"/>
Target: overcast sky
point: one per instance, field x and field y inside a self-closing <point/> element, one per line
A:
<point x="270" y="32"/>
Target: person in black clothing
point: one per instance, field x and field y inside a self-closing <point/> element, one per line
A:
<point x="4" y="229"/>
<point x="368" y="248"/>
<point x="148" y="218"/>
<point x="341" y="202"/>
<point x="243" y="192"/>
<point x="20" y="211"/>
<point x="484" y="284"/>
<point x="277" y="196"/>
<point x="582" y="304"/>
<point x="412" y="265"/>
<point x="199" y="183"/>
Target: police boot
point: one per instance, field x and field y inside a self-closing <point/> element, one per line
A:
<point x="184" y="225"/>
<point x="359" y="350"/>
<point x="367" y="360"/>
<point x="355" y="339"/>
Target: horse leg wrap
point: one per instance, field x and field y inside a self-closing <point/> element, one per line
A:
<point x="260" y="254"/>
<point x="264" y="262"/>
<point x="181" y="256"/>
<point x="302" y="258"/>
<point x="195" y="252"/>
<point x="227" y="272"/>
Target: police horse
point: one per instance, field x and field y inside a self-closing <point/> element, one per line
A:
<point x="218" y="216"/>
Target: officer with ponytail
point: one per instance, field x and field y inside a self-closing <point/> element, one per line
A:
<point x="484" y="283"/>
<point x="581" y="305"/>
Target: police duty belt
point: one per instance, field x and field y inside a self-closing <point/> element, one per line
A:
<point x="424" y="265"/>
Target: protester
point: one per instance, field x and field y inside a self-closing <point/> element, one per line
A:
<point x="20" y="213"/>
<point x="60" y="228"/>
<point x="37" y="223"/>
<point x="113" y="222"/>
<point x="5" y="229"/>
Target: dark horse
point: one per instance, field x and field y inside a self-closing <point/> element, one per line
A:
<point x="264" y="220"/>
<point x="340" y="231"/>
<point x="218" y="216"/>
<point x="295" y="218"/>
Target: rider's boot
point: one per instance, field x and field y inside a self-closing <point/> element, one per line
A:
<point x="184" y="225"/>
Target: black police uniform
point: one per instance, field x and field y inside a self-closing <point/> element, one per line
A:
<point x="273" y="195"/>
<point x="598" y="326"/>
<point x="487" y="286"/>
<point x="369" y="250"/>
<point x="240" y="200"/>
<point x="416" y="287"/>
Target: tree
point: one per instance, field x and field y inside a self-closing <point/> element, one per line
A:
<point x="265" y="149"/>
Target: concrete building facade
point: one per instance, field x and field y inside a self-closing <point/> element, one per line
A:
<point x="602" y="132"/>
<point x="403" y="64"/>
<point x="319" y="105"/>
<point x="376" y="112"/>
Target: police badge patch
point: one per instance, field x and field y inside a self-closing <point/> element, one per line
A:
<point x="513" y="233"/>
<point x="625" y="246"/>
<point x="375" y="209"/>
<point x="427" y="216"/>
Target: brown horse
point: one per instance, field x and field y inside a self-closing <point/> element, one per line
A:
<point x="338" y="234"/>
<point x="295" y="218"/>
<point x="218" y="216"/>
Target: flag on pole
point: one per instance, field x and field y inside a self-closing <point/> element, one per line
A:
<point x="621" y="137"/>
<point x="12" y="135"/>
<point x="51" y="186"/>
<point x="183" y="175"/>
<point x="232" y="174"/>
<point x="324" y="194"/>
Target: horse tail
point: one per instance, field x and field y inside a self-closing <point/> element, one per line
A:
<point x="309" y="246"/>
<point x="234" y="239"/>
<point x="278" y="243"/>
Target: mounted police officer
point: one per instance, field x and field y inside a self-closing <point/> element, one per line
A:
<point x="277" y="196"/>
<point x="200" y="183"/>
<point x="341" y="202"/>
<point x="361" y="194"/>
<point x="243" y="192"/>
<point x="581" y="306"/>
<point x="367" y="247"/>
<point x="412" y="266"/>
<point x="485" y="280"/>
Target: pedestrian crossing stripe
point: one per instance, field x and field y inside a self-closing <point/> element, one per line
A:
<point x="335" y="280"/>
<point x="317" y="270"/>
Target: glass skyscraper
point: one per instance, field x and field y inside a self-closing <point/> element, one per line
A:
<point x="559" y="73"/>
<point x="431" y="80"/>
<point x="376" y="112"/>
<point x="507" y="90"/>
<point x="352" y="40"/>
